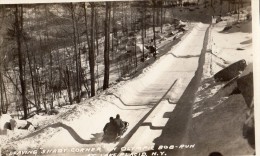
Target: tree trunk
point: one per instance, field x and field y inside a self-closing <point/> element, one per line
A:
<point x="49" y="80"/>
<point x="106" y="47"/>
<point x="92" y="53"/>
<point x="161" y="16"/>
<point x="86" y="25"/>
<point x="2" y="96"/>
<point x="97" y="44"/>
<point x="221" y="7"/>
<point x="67" y="77"/>
<point x="79" y="77"/>
<point x="228" y="6"/>
<point x="154" y="37"/>
<point x="37" y="83"/>
<point x="89" y="47"/>
<point x="76" y="50"/>
<point x="113" y="34"/>
<point x="96" y="31"/>
<point x="144" y="20"/>
<point x="131" y="24"/>
<point x="135" y="56"/>
<point x="211" y="4"/>
<point x="31" y="74"/>
<point x="6" y="99"/>
<point x="21" y="61"/>
<point x="143" y="29"/>
<point x="238" y="10"/>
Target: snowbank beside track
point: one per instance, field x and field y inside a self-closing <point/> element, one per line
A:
<point x="217" y="104"/>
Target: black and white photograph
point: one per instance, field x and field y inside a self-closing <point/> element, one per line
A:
<point x="127" y="78"/>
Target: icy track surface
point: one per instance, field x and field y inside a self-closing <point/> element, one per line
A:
<point x="155" y="91"/>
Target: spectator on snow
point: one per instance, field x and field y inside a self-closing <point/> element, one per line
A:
<point x="153" y="51"/>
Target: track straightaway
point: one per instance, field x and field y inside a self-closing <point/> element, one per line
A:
<point x="147" y="102"/>
<point x="152" y="128"/>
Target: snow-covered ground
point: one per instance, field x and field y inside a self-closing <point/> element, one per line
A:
<point x="147" y="100"/>
<point x="218" y="114"/>
<point x="82" y="124"/>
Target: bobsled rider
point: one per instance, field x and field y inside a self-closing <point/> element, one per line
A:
<point x="119" y="124"/>
<point x="110" y="128"/>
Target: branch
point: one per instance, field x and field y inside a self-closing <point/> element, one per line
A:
<point x="9" y="77"/>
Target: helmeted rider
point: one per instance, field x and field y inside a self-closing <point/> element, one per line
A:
<point x="120" y="124"/>
<point x="110" y="128"/>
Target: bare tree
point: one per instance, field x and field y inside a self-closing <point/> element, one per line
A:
<point x="21" y="60"/>
<point x="89" y="49"/>
<point x="31" y="73"/>
<point x="161" y="7"/>
<point x="106" y="46"/>
<point x="92" y="52"/>
<point x="143" y="29"/>
<point x="2" y="27"/>
<point x="2" y="94"/>
<point x="97" y="44"/>
<point x="154" y="37"/>
<point x="77" y="53"/>
<point x="67" y="80"/>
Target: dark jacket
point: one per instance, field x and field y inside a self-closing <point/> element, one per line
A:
<point x="110" y="128"/>
<point x="119" y="123"/>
